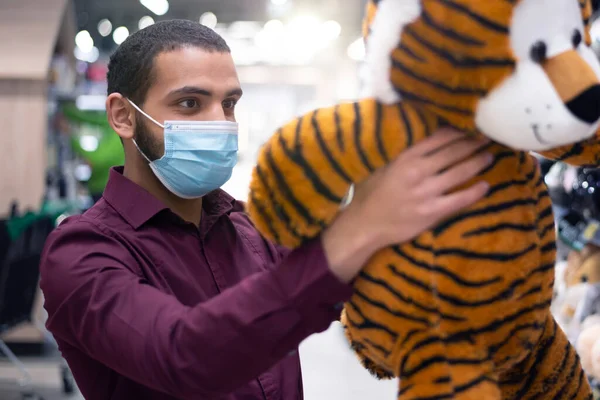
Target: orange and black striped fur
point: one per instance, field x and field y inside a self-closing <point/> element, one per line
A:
<point x="462" y="311"/>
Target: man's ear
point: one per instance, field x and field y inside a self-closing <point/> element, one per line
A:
<point x="121" y="115"/>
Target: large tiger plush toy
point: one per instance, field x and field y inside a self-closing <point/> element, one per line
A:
<point x="462" y="311"/>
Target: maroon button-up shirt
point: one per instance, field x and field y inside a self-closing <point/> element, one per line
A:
<point x="146" y="306"/>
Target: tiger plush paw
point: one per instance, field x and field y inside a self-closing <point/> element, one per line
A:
<point x="374" y="369"/>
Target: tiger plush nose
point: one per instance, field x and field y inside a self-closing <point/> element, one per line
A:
<point x="576" y="83"/>
<point x="586" y="106"/>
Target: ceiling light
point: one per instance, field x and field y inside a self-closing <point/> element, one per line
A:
<point x="120" y="34"/>
<point x="104" y="27"/>
<point x="158" y="7"/>
<point x="279" y="2"/>
<point x="90" y="56"/>
<point x="356" y="50"/>
<point x="209" y="20"/>
<point x="84" y="41"/>
<point x="274" y="25"/>
<point x="331" y="30"/>
<point x="145" y="22"/>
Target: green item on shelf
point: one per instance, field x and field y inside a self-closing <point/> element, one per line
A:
<point x="106" y="151"/>
<point x="17" y="225"/>
<point x="55" y="210"/>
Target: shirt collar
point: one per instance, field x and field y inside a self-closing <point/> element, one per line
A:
<point x="137" y="206"/>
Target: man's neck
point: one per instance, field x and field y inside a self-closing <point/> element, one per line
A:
<point x="188" y="210"/>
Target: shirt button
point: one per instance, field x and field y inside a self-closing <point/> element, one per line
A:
<point x="292" y="353"/>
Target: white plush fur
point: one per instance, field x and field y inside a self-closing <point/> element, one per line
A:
<point x="392" y="16"/>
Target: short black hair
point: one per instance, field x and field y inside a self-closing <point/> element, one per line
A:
<point x="130" y="70"/>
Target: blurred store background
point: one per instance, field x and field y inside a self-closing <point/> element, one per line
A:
<point x="292" y="56"/>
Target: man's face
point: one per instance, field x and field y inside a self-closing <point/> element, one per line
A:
<point x="187" y="84"/>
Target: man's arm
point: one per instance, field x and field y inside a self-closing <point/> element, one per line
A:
<point x="98" y="302"/>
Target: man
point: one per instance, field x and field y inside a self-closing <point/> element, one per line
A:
<point x="164" y="290"/>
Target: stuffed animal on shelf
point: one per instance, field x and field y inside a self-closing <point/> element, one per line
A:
<point x="588" y="346"/>
<point x="580" y="296"/>
<point x="463" y="310"/>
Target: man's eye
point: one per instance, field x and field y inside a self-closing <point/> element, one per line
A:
<point x="189" y="103"/>
<point x="229" y="104"/>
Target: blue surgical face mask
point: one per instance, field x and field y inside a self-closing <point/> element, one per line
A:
<point x="199" y="155"/>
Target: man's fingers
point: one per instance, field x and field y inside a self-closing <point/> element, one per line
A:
<point x="439" y="208"/>
<point x="456" y="175"/>
<point x="451" y="154"/>
<point x="436" y="141"/>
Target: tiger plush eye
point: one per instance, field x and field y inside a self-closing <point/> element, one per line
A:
<point x="538" y="51"/>
<point x="577" y="38"/>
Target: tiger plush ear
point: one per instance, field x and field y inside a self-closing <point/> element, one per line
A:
<point x="371" y="10"/>
<point x="586" y="13"/>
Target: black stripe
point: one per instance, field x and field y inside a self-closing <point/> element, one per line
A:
<point x="265" y="216"/>
<point x="450" y="33"/>
<point x="546" y="212"/>
<point x="297" y="157"/>
<point x="358" y="133"/>
<point x="575" y="150"/>
<point x="276" y="206"/>
<point x="548" y="247"/>
<point x="378" y="133"/>
<point x="423" y="120"/>
<point x="442" y="270"/>
<point x="443" y="379"/>
<point x="497" y="324"/>
<point x="367" y="323"/>
<point x="500" y="227"/>
<point x="452" y="90"/>
<point x="378" y="347"/>
<point x="383" y="307"/>
<point x="546" y="229"/>
<point x="458" y="301"/>
<point x="287" y="191"/>
<point x="496" y="208"/>
<point x="458" y="60"/>
<point x="434" y="340"/>
<point x="533" y="290"/>
<point x="338" y="127"/>
<point x="410" y="53"/>
<point x="408" y="130"/>
<point x="427" y="362"/>
<point x="536" y="326"/>
<point x="480" y="19"/>
<point x="515" y="182"/>
<point x="385" y="285"/>
<point x="404" y="388"/>
<point x="438" y="396"/>
<point x="472" y="255"/>
<point x="497" y="158"/>
<point x="541" y="269"/>
<point x="539" y="356"/>
<point x="409" y="335"/>
<point x="334" y="164"/>
<point x="469" y="385"/>
<point x="406" y="95"/>
<point x="567" y="382"/>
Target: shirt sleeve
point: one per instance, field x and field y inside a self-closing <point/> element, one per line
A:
<point x="99" y="303"/>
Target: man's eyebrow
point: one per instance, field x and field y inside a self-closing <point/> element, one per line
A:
<point x="203" y="92"/>
<point x="235" y="92"/>
<point x="190" y="90"/>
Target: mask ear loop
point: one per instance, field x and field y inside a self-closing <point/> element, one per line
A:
<point x="151" y="119"/>
<point x="145" y="115"/>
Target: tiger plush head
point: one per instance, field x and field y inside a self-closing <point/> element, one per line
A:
<point x="518" y="71"/>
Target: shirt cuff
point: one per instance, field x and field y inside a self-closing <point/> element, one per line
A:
<point x="308" y="283"/>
